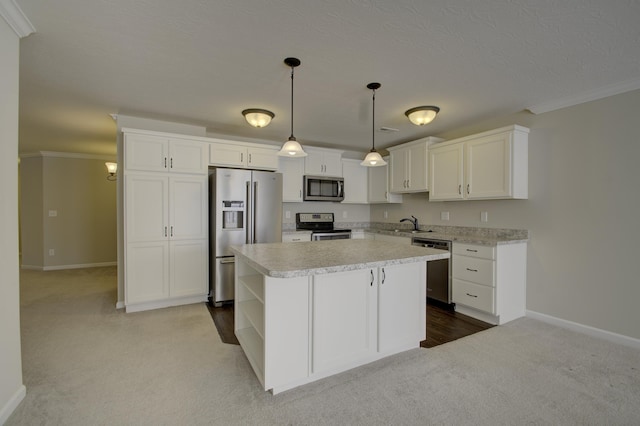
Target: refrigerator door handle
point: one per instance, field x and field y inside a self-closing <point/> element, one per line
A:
<point x="249" y="220"/>
<point x="229" y="260"/>
<point x="254" y="226"/>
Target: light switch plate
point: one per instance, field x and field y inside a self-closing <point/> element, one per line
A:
<point x="444" y="215"/>
<point x="53" y="213"/>
<point x="484" y="216"/>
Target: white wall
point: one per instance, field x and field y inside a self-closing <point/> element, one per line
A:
<point x="11" y="388"/>
<point x="582" y="211"/>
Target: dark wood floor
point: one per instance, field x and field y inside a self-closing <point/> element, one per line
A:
<point x="443" y="325"/>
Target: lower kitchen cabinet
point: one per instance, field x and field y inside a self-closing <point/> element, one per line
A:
<point x="489" y="282"/>
<point x="392" y="238"/>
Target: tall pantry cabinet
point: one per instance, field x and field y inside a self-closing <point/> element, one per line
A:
<point x="165" y="220"/>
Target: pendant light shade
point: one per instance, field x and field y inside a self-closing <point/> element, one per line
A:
<point x="373" y="158"/>
<point x="422" y="115"/>
<point x="291" y="147"/>
<point x="258" y="117"/>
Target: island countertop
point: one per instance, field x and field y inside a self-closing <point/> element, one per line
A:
<point x="288" y="260"/>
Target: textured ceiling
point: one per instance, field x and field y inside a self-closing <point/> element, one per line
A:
<point x="202" y="62"/>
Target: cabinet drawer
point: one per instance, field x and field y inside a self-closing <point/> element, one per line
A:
<point x="473" y="250"/>
<point x="474" y="295"/>
<point x="481" y="271"/>
<point x="296" y="238"/>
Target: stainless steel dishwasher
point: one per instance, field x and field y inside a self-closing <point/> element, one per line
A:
<point x="438" y="271"/>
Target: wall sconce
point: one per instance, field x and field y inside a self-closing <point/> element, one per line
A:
<point x="422" y="115"/>
<point x="112" y="168"/>
<point x="258" y="117"/>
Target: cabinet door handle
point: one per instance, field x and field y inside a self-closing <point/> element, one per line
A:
<point x="249" y="158"/>
<point x="472" y="270"/>
<point x="468" y="192"/>
<point x="172" y="230"/>
<point x="301" y="193"/>
<point x="241" y="157"/>
<point x="171" y="163"/>
<point x="408" y="183"/>
<point x="459" y="189"/>
<point x="165" y="231"/>
<point x="384" y="276"/>
<point x="371" y="284"/>
<point x="471" y="295"/>
<point x="472" y="250"/>
<point x="165" y="162"/>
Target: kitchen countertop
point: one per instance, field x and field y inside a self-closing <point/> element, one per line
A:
<point x="287" y="260"/>
<point x="487" y="240"/>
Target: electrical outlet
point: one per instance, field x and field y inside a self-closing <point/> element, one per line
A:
<point x="386" y="214"/>
<point x="344" y="215"/>
<point x="52" y="252"/>
<point x="444" y="215"/>
<point x="287" y="214"/>
<point x="484" y="216"/>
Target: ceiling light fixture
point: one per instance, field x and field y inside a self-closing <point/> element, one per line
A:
<point x="258" y="117"/>
<point x="291" y="147"/>
<point x="422" y="115"/>
<point x="373" y="158"/>
<point x="112" y="168"/>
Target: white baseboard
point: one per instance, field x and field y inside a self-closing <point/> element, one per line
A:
<point x="586" y="329"/>
<point x="12" y="404"/>
<point x="120" y="305"/>
<point x="61" y="267"/>
<point x="165" y="303"/>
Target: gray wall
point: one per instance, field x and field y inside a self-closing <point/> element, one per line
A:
<point x="84" y="231"/>
<point x="11" y="387"/>
<point x="582" y="211"/>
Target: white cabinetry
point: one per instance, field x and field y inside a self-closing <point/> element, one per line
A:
<point x="489" y="283"/>
<point x="296" y="237"/>
<point x="408" y="166"/>
<point x="379" y="185"/>
<point x="355" y="182"/>
<point x="163" y="153"/>
<point x="489" y="165"/>
<point x="243" y="155"/>
<point x="165" y="228"/>
<point x="292" y="170"/>
<point x="323" y="162"/>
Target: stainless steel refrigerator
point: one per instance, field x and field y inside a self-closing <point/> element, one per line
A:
<point x="245" y="207"/>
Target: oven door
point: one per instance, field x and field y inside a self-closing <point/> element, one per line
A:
<point x="318" y="236"/>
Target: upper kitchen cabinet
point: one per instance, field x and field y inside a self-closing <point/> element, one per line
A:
<point x="408" y="166"/>
<point x="292" y="170"/>
<point x="379" y="185"/>
<point x="355" y="182"/>
<point x="243" y="155"/>
<point x="158" y="152"/>
<point x="485" y="166"/>
<point x="323" y="162"/>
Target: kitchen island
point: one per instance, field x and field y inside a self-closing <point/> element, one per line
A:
<point x="309" y="310"/>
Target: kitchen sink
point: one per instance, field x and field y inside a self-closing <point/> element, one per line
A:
<point x="407" y="231"/>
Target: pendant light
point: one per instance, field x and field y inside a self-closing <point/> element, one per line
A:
<point x="373" y="158"/>
<point x="291" y="147"/>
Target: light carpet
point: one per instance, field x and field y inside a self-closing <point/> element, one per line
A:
<point x="86" y="363"/>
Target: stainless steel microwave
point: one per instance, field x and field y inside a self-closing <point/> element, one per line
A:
<point x="323" y="188"/>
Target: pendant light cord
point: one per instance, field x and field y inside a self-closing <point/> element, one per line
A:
<point x="292" y="137"/>
<point x="373" y="123"/>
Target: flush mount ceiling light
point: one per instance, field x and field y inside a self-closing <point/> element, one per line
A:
<point x="373" y="158"/>
<point x="422" y="115"/>
<point x="291" y="147"/>
<point x="258" y="117"/>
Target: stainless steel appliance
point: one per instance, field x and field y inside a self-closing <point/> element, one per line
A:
<point x="321" y="225"/>
<point x="245" y="207"/>
<point x="438" y="271"/>
<point x="323" y="188"/>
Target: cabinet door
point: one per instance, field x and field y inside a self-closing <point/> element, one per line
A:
<point x="401" y="321"/>
<point x="187" y="156"/>
<point x="222" y="154"/>
<point x="488" y="167"/>
<point x="398" y="171"/>
<point x="314" y="163"/>
<point x="146" y="207"/>
<point x="379" y="185"/>
<point x="392" y="239"/>
<point x="344" y="318"/>
<point x="355" y="182"/>
<point x="333" y="164"/>
<point x="188" y="215"/>
<point x="446" y="172"/>
<point x="417" y="170"/>
<point x="262" y="158"/>
<point x="188" y="268"/>
<point x="145" y="152"/>
<point x="292" y="170"/>
<point x="146" y="272"/>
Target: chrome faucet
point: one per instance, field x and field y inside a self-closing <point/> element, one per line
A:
<point x="414" y="221"/>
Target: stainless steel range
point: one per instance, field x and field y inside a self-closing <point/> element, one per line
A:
<point x="321" y="226"/>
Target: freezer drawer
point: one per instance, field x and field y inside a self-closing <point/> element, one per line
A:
<point x="223" y="290"/>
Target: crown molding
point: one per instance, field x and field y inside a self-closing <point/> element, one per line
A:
<point x="592" y="95"/>
<point x="16" y="18"/>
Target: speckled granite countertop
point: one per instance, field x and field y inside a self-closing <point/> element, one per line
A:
<point x="486" y="240"/>
<point x="288" y="260"/>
